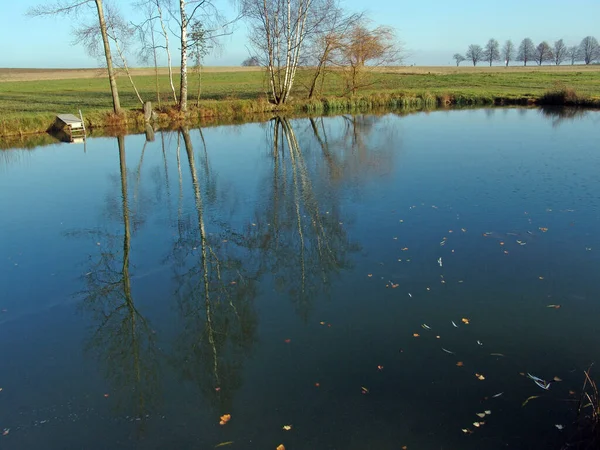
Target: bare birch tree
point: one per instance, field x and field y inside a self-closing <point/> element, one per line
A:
<point x="560" y="52"/>
<point x="149" y="47"/>
<point x="146" y="32"/>
<point x="278" y="33"/>
<point x="191" y="15"/>
<point x="508" y="52"/>
<point x="72" y="7"/>
<point x="118" y="31"/>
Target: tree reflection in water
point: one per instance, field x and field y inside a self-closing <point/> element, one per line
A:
<point x="297" y="241"/>
<point x="216" y="286"/>
<point x="123" y="338"/>
<point x="299" y="233"/>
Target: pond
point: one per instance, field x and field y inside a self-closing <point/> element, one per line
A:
<point x="351" y="282"/>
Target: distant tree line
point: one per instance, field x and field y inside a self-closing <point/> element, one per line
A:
<point x="587" y="51"/>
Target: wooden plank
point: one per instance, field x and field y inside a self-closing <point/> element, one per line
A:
<point x="70" y="119"/>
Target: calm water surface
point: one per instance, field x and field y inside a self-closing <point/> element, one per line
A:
<point x="373" y="282"/>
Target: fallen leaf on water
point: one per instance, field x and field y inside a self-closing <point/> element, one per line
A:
<point x="280" y="447"/>
<point x="543" y="229"/>
<point x="572" y="392"/>
<point x="553" y="306"/>
<point x="437" y="337"/>
<point x="416" y="334"/>
<point x="481" y="415"/>
<point x="541" y="278"/>
<point x="466" y="431"/>
<point x="364" y="390"/>
<point x="557" y="379"/>
<point x="394" y="286"/>
<point x="465" y="321"/>
<point x="530" y="398"/>
<point x="488" y="412"/>
<point x="404" y="249"/>
<point x="223" y="444"/>
<point x="317" y="384"/>
<point x="217" y="389"/>
<point x="224" y="419"/>
<point x="559" y="426"/>
<point x="6" y="431"/>
<point x="480" y="376"/>
<point x="322" y="323"/>
<point x="476" y="424"/>
<point x="287" y="427"/>
<point x="379" y="367"/>
<point x="105" y="395"/>
<point x="370" y="275"/>
<point x="404" y="447"/>
<point x="460" y="364"/>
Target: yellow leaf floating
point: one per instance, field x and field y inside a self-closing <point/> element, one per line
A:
<point x="224" y="419"/>
<point x="280" y="447"/>
<point x="465" y="321"/>
<point x="287" y="427"/>
<point x="223" y="444"/>
<point x="480" y="376"/>
<point x="530" y="398"/>
<point x="480" y="415"/>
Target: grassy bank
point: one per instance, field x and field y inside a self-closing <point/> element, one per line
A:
<point x="29" y="104"/>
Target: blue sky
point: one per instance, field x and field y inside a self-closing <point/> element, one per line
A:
<point x="432" y="30"/>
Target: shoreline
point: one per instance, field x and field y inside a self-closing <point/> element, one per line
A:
<point x="236" y="111"/>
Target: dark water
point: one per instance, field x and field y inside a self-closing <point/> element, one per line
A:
<point x="277" y="273"/>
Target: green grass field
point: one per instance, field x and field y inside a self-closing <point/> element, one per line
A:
<point x="29" y="105"/>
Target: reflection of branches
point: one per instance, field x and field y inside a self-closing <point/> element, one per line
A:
<point x="123" y="336"/>
<point x="299" y="241"/>
<point x="558" y="114"/>
<point x="214" y="299"/>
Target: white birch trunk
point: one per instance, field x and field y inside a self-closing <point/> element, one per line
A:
<point x="183" y="88"/>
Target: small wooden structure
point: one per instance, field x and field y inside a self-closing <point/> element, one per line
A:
<point x="72" y="125"/>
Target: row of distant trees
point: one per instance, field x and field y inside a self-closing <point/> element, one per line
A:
<point x="587" y="51"/>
